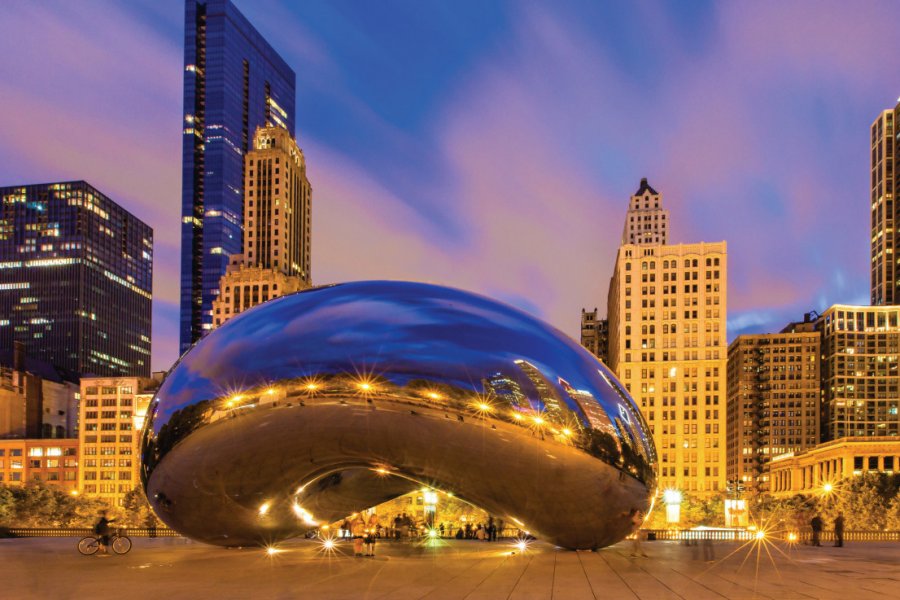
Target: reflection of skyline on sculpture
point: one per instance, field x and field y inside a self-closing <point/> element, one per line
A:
<point x="404" y="379"/>
<point x="449" y="350"/>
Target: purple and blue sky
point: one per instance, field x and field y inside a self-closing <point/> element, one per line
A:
<point x="493" y="145"/>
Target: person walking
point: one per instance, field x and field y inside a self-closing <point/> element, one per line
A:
<point x="372" y="526"/>
<point x="358" y="531"/>
<point x="636" y="517"/>
<point x="816" y="525"/>
<point x="441" y="528"/>
<point x="839" y="530"/>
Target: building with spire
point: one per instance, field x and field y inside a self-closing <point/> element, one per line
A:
<point x="667" y="308"/>
<point x="646" y="222"/>
<point x="277" y="227"/>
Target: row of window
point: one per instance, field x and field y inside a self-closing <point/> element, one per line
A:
<point x="107" y="390"/>
<point x="107" y="475"/>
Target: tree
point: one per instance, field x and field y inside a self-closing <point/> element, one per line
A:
<point x="138" y="512"/>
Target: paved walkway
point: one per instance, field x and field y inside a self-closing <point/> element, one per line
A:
<point x="171" y="569"/>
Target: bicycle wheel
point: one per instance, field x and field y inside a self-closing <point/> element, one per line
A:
<point x="121" y="545"/>
<point x="88" y="545"/>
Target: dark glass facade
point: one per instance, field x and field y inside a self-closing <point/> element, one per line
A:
<point x="76" y="275"/>
<point x="234" y="82"/>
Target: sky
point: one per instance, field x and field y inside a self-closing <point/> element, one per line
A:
<point x="493" y="146"/>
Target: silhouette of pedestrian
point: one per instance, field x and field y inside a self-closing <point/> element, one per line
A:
<point x="709" y="552"/>
<point x="636" y="518"/>
<point x="839" y="530"/>
<point x="816" y="525"/>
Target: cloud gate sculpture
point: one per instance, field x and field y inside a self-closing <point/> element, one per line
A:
<point x="316" y="405"/>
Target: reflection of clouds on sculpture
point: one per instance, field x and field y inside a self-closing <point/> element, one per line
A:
<point x="436" y="361"/>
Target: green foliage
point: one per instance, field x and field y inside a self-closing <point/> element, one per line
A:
<point x="37" y="504"/>
<point x="869" y="503"/>
<point x="137" y="510"/>
<point x="695" y="511"/>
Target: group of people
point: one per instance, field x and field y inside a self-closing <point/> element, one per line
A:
<point x="364" y="531"/>
<point x="817" y="524"/>
<point x="486" y="533"/>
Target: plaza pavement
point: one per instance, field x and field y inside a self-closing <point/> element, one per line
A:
<point x="171" y="569"/>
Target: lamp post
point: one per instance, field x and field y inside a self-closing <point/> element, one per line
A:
<point x="430" y="497"/>
<point x="672" y="499"/>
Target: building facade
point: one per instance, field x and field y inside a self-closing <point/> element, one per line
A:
<point x="244" y="287"/>
<point x="277" y="227"/>
<point x="774" y="398"/>
<point x="884" y="264"/>
<point x="860" y="377"/>
<point x="667" y="307"/>
<point x="594" y="333"/>
<point x="646" y="222"/>
<point x="37" y="400"/>
<point x="808" y="472"/>
<point x="54" y="462"/>
<point x="667" y="310"/>
<point x="112" y="411"/>
<point x="234" y="82"/>
<point x="76" y="273"/>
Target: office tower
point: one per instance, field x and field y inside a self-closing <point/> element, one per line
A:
<point x="883" y="257"/>
<point x="860" y="377"/>
<point x="773" y="400"/>
<point x="277" y="227"/>
<point x="234" y="82"/>
<point x="667" y="344"/>
<point x="112" y="415"/>
<point x="594" y="333"/>
<point x="54" y="462"/>
<point x="646" y="222"/>
<point x="75" y="279"/>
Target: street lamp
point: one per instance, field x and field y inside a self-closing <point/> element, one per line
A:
<point x="430" y="508"/>
<point x="672" y="499"/>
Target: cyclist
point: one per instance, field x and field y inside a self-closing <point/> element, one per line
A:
<point x="101" y="528"/>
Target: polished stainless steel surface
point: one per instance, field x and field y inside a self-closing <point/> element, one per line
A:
<point x="322" y="403"/>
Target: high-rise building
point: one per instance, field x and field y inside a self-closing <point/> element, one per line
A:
<point x="234" y="82"/>
<point x="773" y="400"/>
<point x="112" y="412"/>
<point x="860" y="373"/>
<point x="646" y="222"/>
<point x="667" y="344"/>
<point x="884" y="265"/>
<point x="277" y="227"/>
<point x="76" y="275"/>
<point x="594" y="333"/>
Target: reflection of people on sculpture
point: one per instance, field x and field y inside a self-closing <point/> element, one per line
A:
<point x="372" y="526"/>
<point x="358" y="529"/>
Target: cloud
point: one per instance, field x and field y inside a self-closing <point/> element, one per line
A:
<point x="94" y="94"/>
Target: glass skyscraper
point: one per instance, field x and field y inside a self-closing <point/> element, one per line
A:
<point x="76" y="275"/>
<point x="234" y="82"/>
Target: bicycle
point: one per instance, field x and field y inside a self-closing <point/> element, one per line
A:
<point x="119" y="542"/>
